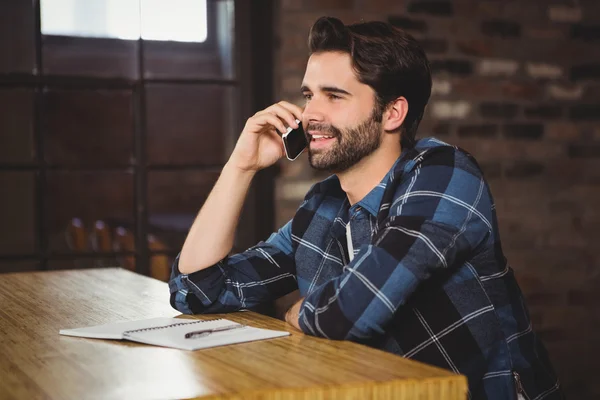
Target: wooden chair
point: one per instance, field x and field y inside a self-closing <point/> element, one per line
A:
<point x="103" y="239"/>
<point x="160" y="266"/>
<point x="125" y="241"/>
<point x="76" y="236"/>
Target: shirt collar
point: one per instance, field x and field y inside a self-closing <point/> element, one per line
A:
<point x="372" y="200"/>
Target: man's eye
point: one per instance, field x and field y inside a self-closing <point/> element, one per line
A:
<point x="334" y="97"/>
<point x="307" y="96"/>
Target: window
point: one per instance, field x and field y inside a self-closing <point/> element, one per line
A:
<point x="175" y="20"/>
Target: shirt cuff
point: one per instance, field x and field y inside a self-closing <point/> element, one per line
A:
<point x="205" y="284"/>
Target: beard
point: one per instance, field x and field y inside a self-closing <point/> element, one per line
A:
<point x="351" y="145"/>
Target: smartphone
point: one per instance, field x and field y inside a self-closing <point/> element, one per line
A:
<point x="294" y="141"/>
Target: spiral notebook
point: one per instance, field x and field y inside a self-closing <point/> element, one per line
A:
<point x="177" y="333"/>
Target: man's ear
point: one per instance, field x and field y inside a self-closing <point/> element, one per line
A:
<point x="394" y="114"/>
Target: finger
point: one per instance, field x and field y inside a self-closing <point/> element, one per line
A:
<point x="294" y="109"/>
<point x="265" y="118"/>
<point x="277" y="138"/>
<point x="284" y="113"/>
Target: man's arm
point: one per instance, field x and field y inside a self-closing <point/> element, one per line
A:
<point x="440" y="214"/>
<point x="204" y="279"/>
<point x="260" y="274"/>
<point x="211" y="236"/>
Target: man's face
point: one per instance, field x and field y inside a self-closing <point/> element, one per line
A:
<point x="341" y="117"/>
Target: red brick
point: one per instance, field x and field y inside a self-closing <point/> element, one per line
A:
<point x="544" y="33"/>
<point x="485" y="8"/>
<point x="520" y="90"/>
<point x="567" y="239"/>
<point x="511" y="149"/>
<point x="476" y="87"/>
<point x="562" y="131"/>
<point x="584" y="297"/>
<point x="592" y="92"/>
<point x="552" y="335"/>
<point x="293" y="44"/>
<point x="528" y="283"/>
<point x="291" y="5"/>
<point x="555" y="270"/>
<point x="579" y="171"/>
<point x="291" y="84"/>
<point x="298" y="22"/>
<point x="293" y="63"/>
<point x="475" y="47"/>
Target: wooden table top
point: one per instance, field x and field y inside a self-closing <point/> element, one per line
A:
<point x="37" y="362"/>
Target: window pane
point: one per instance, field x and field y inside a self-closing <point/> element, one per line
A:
<point x="85" y="127"/>
<point x="210" y="59"/>
<point x="175" y="20"/>
<point x="16" y="126"/>
<point x="119" y="19"/>
<point x="174" y="198"/>
<point x="76" y="201"/>
<point x="188" y="124"/>
<point x="17" y="214"/>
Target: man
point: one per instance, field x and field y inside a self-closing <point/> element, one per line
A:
<point x="399" y="249"/>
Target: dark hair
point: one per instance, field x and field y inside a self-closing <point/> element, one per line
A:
<point x="383" y="57"/>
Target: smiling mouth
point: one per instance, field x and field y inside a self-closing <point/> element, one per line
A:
<point x="321" y="137"/>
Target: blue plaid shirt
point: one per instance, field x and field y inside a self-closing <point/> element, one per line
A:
<point x="428" y="279"/>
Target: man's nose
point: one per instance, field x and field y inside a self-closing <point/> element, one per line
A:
<point x="312" y="113"/>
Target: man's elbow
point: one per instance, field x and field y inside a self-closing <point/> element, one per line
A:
<point x="184" y="268"/>
<point x="184" y="264"/>
<point x="339" y="328"/>
<point x="330" y="327"/>
<point x="187" y="265"/>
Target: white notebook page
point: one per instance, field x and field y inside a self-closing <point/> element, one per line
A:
<point x="175" y="336"/>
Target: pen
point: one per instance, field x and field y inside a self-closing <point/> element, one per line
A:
<point x="206" y="332"/>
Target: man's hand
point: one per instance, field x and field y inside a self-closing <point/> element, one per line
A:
<point x="293" y="314"/>
<point x="259" y="145"/>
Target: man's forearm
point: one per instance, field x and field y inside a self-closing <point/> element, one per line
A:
<point x="212" y="234"/>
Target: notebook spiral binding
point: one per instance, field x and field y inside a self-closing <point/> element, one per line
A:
<point x="170" y="326"/>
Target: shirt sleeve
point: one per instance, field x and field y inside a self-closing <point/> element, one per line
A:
<point x="260" y="274"/>
<point x="439" y="215"/>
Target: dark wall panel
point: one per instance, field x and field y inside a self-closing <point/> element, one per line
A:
<point x="187" y="124"/>
<point x="164" y="60"/>
<point x="19" y="266"/>
<point x="17" y="212"/>
<point x="86" y="128"/>
<point x="16" y="126"/>
<point x="17" y="37"/>
<point x="90" y="57"/>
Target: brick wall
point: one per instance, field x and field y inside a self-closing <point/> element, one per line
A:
<point x="516" y="83"/>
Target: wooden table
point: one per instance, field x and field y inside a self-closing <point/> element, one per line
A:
<point x="36" y="362"/>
